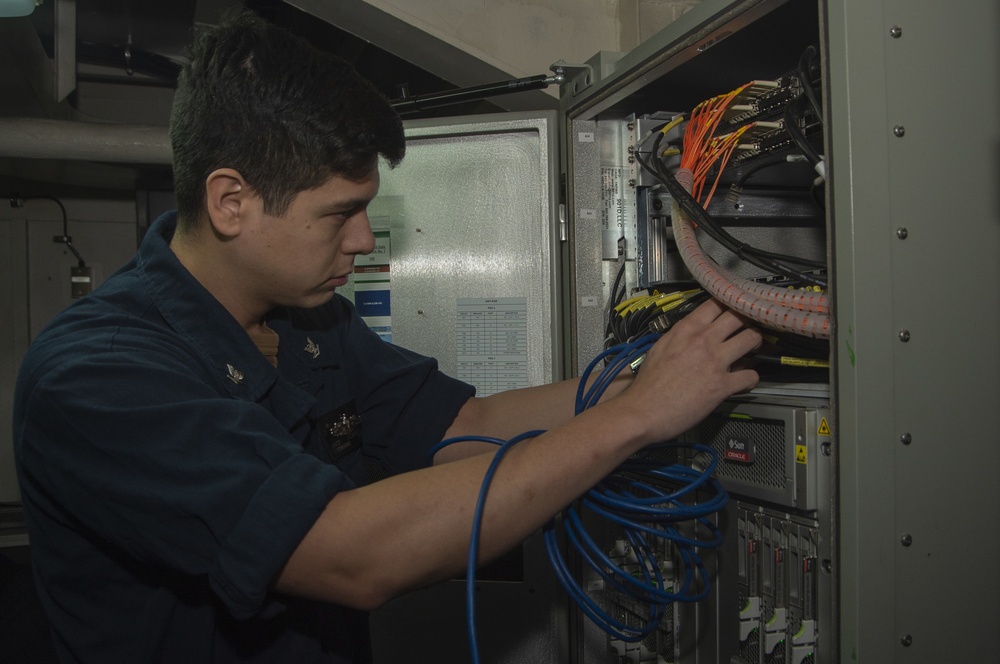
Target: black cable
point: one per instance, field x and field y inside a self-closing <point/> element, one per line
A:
<point x="805" y="61"/>
<point x="766" y="260"/>
<point x="746" y="172"/>
<point x="614" y="300"/>
<point x="64" y="238"/>
<point x="756" y="167"/>
<point x="761" y="258"/>
<point x="792" y="127"/>
<point x="818" y="194"/>
<point x="639" y="325"/>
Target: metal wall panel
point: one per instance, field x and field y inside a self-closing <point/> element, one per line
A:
<point x="13" y="340"/>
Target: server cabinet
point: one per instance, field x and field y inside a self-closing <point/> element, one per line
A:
<point x="897" y="453"/>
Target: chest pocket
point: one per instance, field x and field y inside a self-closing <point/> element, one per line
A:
<point x="340" y="431"/>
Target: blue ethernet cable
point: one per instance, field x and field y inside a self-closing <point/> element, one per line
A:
<point x="634" y="500"/>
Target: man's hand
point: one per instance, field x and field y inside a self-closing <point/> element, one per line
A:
<point x="689" y="371"/>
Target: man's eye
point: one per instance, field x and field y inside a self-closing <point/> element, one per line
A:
<point x="344" y="214"/>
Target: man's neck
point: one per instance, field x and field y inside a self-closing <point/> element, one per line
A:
<point x="212" y="271"/>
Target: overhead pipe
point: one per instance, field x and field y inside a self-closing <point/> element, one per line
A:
<point x="32" y="138"/>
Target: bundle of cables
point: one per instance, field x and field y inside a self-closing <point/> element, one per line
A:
<point x="659" y="511"/>
<point x="652" y="311"/>
<point x="804" y="312"/>
<point x="649" y="312"/>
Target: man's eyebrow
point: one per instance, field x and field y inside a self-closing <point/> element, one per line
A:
<point x="344" y="205"/>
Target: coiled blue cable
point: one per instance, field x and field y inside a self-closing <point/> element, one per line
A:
<point x="635" y="500"/>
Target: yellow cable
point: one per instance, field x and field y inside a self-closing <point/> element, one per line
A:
<point x="805" y="362"/>
<point x="670" y="125"/>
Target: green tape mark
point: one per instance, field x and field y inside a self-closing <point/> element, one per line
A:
<point x="847" y="344"/>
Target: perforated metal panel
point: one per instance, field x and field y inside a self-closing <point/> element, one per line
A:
<point x="767" y="451"/>
<point x="766" y="469"/>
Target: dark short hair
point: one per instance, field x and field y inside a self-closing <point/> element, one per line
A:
<point x="287" y="116"/>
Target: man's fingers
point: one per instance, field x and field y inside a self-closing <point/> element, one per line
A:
<point x="743" y="380"/>
<point x="716" y="319"/>
<point x="743" y="343"/>
<point x="704" y="313"/>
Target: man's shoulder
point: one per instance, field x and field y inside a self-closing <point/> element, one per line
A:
<point x="119" y="318"/>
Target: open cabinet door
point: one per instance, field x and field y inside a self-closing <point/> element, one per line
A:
<point x="466" y="270"/>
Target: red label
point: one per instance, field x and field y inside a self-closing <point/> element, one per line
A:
<point x="735" y="455"/>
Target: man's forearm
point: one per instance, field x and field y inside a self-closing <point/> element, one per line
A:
<point x="507" y="414"/>
<point x="415" y="527"/>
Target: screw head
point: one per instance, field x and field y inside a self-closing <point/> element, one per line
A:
<point x="899" y="131"/>
<point x="906" y="640"/>
<point x="896" y="32"/>
<point x="906" y="539"/>
<point x="902" y="233"/>
<point x="906" y="438"/>
<point x="904" y="335"/>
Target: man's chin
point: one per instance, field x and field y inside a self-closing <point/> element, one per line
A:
<point x="313" y="300"/>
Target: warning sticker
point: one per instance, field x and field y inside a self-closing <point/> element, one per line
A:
<point x="824" y="428"/>
<point x="801" y="454"/>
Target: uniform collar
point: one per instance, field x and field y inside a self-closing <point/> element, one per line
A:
<point x="199" y="318"/>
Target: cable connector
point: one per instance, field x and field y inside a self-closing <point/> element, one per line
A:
<point x="821" y="168"/>
<point x="635" y="364"/>
<point x="661" y="323"/>
<point x="733" y="197"/>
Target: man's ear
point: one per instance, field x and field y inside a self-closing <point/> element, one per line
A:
<point x="228" y="200"/>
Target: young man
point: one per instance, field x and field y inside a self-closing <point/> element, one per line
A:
<point x="192" y="438"/>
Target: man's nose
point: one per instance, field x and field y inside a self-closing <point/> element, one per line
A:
<point x="360" y="238"/>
